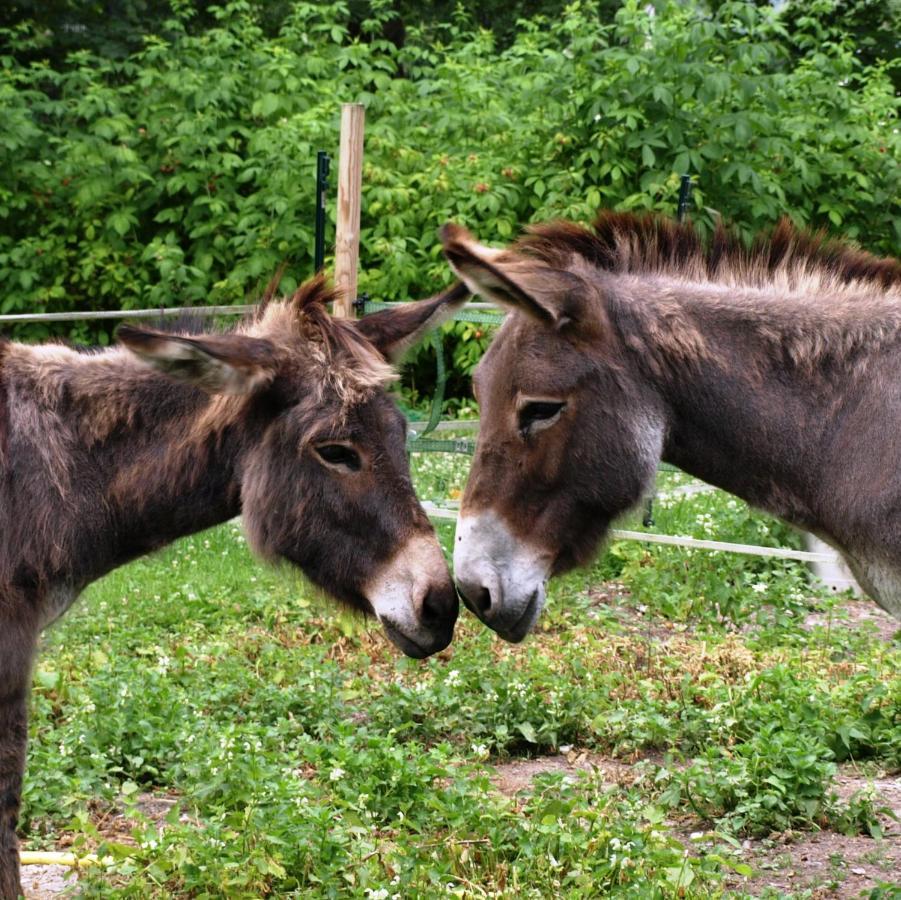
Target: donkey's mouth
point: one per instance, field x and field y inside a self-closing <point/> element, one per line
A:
<point x="413" y="648"/>
<point x="524" y="624"/>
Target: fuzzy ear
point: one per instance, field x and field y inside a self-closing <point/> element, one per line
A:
<point x="218" y="364"/>
<point x="394" y="331"/>
<point x="510" y="278"/>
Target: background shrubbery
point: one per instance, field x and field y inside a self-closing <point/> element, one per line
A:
<point x="177" y="166"/>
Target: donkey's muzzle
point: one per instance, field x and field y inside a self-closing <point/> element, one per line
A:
<point x="434" y="629"/>
<point x="511" y="620"/>
<point x="501" y="579"/>
<point x="414" y="598"/>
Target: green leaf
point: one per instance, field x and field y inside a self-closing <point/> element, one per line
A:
<point x="266" y="105"/>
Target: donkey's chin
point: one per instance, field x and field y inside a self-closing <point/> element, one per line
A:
<point x="513" y="621"/>
<point x="527" y="619"/>
<point x="420" y="646"/>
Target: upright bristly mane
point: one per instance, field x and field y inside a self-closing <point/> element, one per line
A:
<point x="631" y="243"/>
<point x="347" y="362"/>
<point x="808" y="298"/>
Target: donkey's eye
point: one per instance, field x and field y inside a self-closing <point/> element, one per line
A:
<point x="539" y="414"/>
<point x="340" y="455"/>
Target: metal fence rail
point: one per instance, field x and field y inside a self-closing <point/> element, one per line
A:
<point x="160" y="311"/>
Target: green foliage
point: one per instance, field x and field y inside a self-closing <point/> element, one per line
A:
<point x="872" y="25"/>
<point x="183" y="172"/>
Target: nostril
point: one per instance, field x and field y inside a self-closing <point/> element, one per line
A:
<point x="438" y="606"/>
<point x="477" y="599"/>
<point x="483" y="601"/>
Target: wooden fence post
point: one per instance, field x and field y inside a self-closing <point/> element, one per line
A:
<point x="347" y="229"/>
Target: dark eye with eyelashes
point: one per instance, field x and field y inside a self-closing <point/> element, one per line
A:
<point x="539" y="414"/>
<point x="339" y="456"/>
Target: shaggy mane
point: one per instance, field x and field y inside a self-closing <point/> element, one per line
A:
<point x="630" y="243"/>
<point x="810" y="298"/>
<point x="349" y="363"/>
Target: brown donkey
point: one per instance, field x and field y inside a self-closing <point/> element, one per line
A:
<point x="285" y="421"/>
<point x="773" y="372"/>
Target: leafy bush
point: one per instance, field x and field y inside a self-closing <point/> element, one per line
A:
<point x="183" y="173"/>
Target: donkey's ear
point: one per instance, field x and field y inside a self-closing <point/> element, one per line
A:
<point x="510" y="278"/>
<point x="394" y="331"/>
<point x="219" y="364"/>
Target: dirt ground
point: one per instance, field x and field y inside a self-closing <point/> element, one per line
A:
<point x="44" y="882"/>
<point x="826" y="863"/>
<point x="53" y="882"/>
<point x="858" y="612"/>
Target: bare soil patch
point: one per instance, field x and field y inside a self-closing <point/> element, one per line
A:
<point x="826" y="863"/>
<point x="854" y="614"/>
<point x="635" y="621"/>
<point x="44" y="882"/>
<point x="518" y="775"/>
<point x="887" y="788"/>
<point x="114" y="824"/>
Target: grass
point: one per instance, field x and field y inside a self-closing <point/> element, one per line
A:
<point x="310" y="759"/>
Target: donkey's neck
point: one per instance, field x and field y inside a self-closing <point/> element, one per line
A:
<point x="753" y="384"/>
<point x="126" y="460"/>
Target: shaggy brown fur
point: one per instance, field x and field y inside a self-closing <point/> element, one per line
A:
<point x="4" y="411"/>
<point x="108" y="455"/>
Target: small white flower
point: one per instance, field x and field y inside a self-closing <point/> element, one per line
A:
<point x="336" y="775"/>
<point x="759" y="588"/>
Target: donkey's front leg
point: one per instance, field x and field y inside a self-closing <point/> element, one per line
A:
<point x="17" y="642"/>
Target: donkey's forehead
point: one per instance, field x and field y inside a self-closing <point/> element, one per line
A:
<point x="527" y="357"/>
<point x="369" y="419"/>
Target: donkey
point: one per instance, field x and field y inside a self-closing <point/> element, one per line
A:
<point x="771" y="371"/>
<point x="105" y="456"/>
